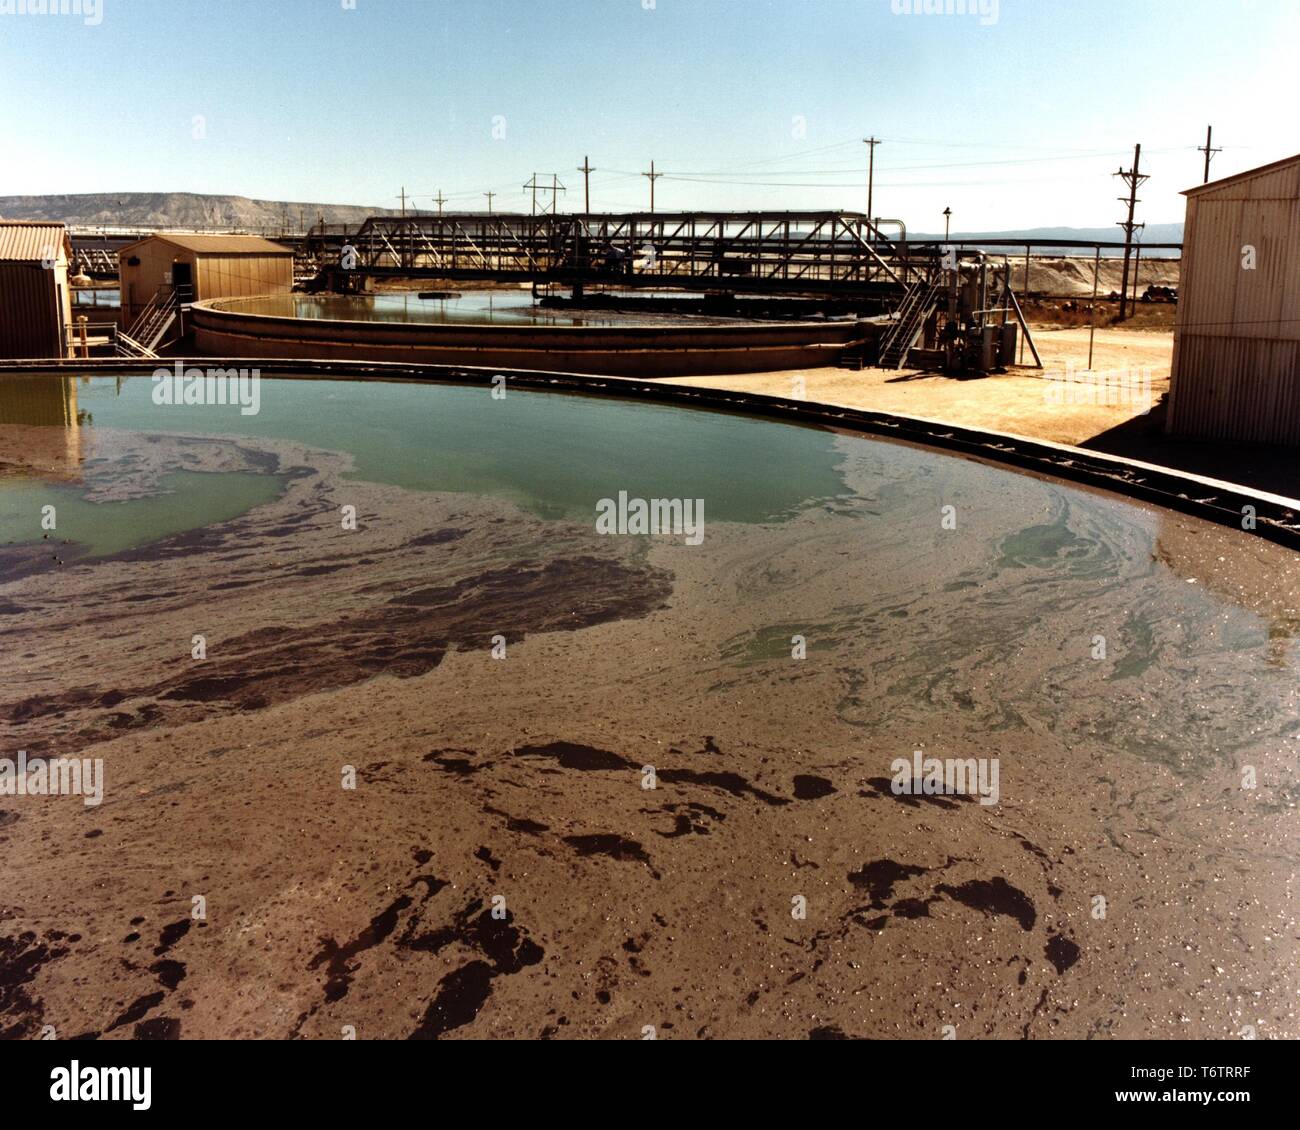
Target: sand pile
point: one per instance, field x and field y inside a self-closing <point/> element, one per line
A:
<point x="1072" y="276"/>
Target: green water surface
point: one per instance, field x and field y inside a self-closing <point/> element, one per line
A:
<point x="555" y="455"/>
<point x="102" y="528"/>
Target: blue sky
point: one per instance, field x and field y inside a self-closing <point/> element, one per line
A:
<point x="1014" y="122"/>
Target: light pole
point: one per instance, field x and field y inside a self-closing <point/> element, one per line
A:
<point x="947" y="219"/>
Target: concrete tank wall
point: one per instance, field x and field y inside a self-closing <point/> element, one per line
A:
<point x="657" y="351"/>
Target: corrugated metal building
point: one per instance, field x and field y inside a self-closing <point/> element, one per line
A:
<point x="201" y="266"/>
<point x="35" y="303"/>
<point x="1236" y="367"/>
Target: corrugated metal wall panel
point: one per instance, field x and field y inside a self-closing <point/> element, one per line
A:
<point x="1238" y="389"/>
<point x="239" y="276"/>
<point x="29" y="321"/>
<point x="1236" y="371"/>
<point x="1281" y="184"/>
<point x="1281" y="180"/>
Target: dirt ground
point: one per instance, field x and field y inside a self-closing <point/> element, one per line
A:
<point x="1023" y="400"/>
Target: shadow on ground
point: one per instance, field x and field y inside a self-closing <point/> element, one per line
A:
<point x="1262" y="467"/>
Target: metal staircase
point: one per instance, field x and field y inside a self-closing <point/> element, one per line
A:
<point x="901" y="336"/>
<point x="150" y="327"/>
<point x="126" y="346"/>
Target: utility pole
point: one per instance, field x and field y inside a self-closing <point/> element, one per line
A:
<point x="1092" y="310"/>
<point x="871" y="142"/>
<point x="1133" y="179"/>
<point x="556" y="186"/>
<point x="1137" y="268"/>
<point x="586" y="170"/>
<point x="403" y="201"/>
<point x="489" y="196"/>
<point x="653" y="177"/>
<point x="440" y="200"/>
<point x="1209" y="133"/>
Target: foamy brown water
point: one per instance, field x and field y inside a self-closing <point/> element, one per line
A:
<point x="522" y="778"/>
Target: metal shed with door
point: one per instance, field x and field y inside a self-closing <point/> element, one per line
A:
<point x="180" y="267"/>
<point x="35" y="303"/>
<point x="1236" y="365"/>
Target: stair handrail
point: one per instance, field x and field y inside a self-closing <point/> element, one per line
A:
<point x="911" y="314"/>
<point x="158" y="330"/>
<point x="146" y="311"/>
<point x="133" y="347"/>
<point x="159" y="320"/>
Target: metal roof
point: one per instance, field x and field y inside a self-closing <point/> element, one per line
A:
<point x="29" y="241"/>
<point x="1263" y="170"/>
<point x="217" y="244"/>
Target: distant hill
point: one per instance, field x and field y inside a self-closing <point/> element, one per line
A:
<point x="197" y="211"/>
<point x="180" y="210"/>
<point x="1152" y="233"/>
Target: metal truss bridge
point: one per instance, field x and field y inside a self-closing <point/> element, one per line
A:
<point x="815" y="253"/>
<point x="791" y="252"/>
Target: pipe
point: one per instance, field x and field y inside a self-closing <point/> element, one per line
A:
<point x="902" y="238"/>
<point x="902" y="228"/>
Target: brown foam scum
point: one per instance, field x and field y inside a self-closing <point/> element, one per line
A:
<point x="405" y="636"/>
<point x="394" y="609"/>
<point x="503" y="867"/>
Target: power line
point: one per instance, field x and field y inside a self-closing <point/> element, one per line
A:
<point x="939" y="144"/>
<point x="861" y="184"/>
<point x="706" y="176"/>
<point x="800" y="154"/>
<point x="1090" y="156"/>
